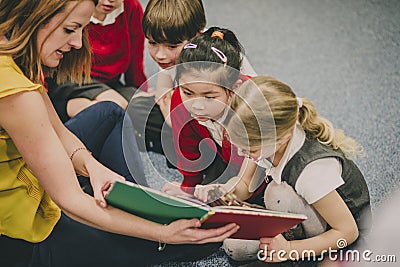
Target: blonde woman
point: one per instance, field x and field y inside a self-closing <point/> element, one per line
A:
<point x="308" y="167"/>
<point x="40" y="157"/>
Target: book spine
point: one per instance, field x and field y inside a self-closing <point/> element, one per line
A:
<point x="206" y="216"/>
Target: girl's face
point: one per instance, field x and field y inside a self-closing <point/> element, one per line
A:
<point x="166" y="55"/>
<point x="272" y="152"/>
<point x="203" y="100"/>
<point x="258" y="154"/>
<point x="55" y="39"/>
<point x="105" y="7"/>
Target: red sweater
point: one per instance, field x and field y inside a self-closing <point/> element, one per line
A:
<point x="118" y="48"/>
<point x="188" y="133"/>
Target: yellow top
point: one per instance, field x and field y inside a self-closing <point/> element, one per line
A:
<point x="26" y="211"/>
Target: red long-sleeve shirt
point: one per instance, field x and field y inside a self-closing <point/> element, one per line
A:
<point x="118" y="48"/>
<point x="188" y="133"/>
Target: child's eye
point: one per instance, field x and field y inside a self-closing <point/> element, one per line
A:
<point x="209" y="97"/>
<point x="172" y="46"/>
<point x="187" y="93"/>
<point x="68" y="31"/>
<point x="152" y="43"/>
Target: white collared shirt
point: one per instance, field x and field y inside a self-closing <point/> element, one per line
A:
<point x="318" y="178"/>
<point x="215" y="128"/>
<point x="110" y="18"/>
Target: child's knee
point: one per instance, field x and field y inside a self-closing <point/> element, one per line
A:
<point x="109" y="107"/>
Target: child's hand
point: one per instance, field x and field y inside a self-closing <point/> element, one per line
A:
<point x="272" y="245"/>
<point x="202" y="191"/>
<point x="164" y="102"/>
<point x="151" y="90"/>
<point x="174" y="189"/>
<point x="143" y="94"/>
<point x="162" y="93"/>
<point x="188" y="232"/>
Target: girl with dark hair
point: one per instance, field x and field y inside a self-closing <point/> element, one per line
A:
<point x="207" y="73"/>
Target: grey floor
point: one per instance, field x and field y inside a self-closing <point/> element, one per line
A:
<point x="344" y="55"/>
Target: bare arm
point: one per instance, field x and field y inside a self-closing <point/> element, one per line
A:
<point x="68" y="139"/>
<point x="84" y="164"/>
<point x="239" y="185"/>
<point x="336" y="213"/>
<point x="26" y="119"/>
<point x="343" y="225"/>
<point x="164" y="84"/>
<point x="247" y="170"/>
<point x="163" y="95"/>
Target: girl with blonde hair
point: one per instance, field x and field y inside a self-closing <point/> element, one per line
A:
<point x="308" y="170"/>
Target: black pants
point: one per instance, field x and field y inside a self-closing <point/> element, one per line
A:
<point x="75" y="244"/>
<point x="15" y="252"/>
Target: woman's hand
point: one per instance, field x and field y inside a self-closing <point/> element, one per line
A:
<point x="101" y="178"/>
<point x="188" y="232"/>
<point x="275" y="249"/>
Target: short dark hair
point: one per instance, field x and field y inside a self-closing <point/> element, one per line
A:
<point x="173" y="21"/>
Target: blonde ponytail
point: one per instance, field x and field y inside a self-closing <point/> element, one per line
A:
<point x="324" y="131"/>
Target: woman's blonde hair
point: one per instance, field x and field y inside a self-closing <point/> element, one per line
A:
<point x="20" y="22"/>
<point x="265" y="110"/>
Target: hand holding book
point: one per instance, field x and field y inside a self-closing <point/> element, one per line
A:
<point x="185" y="231"/>
<point x="162" y="208"/>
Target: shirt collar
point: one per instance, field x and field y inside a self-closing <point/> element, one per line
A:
<point x="215" y="127"/>
<point x="110" y="18"/>
<point x="295" y="143"/>
<point x="219" y="121"/>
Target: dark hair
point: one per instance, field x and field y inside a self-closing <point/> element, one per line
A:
<point x="205" y="53"/>
<point x="173" y="21"/>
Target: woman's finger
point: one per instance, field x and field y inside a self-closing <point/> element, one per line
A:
<point x="219" y="234"/>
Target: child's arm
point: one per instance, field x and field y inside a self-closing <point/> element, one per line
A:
<point x="164" y="84"/>
<point x="335" y="212"/>
<point x="174" y="189"/>
<point x="135" y="74"/>
<point x="239" y="185"/>
<point x="162" y="95"/>
<point x="247" y="170"/>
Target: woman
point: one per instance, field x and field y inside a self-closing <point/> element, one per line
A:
<point x="37" y="38"/>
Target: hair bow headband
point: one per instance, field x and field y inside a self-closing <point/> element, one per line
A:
<point x="218" y="52"/>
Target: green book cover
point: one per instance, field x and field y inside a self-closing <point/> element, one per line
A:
<point x="162" y="208"/>
<point x="152" y="204"/>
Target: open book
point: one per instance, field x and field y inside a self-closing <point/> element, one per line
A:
<point x="162" y="208"/>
